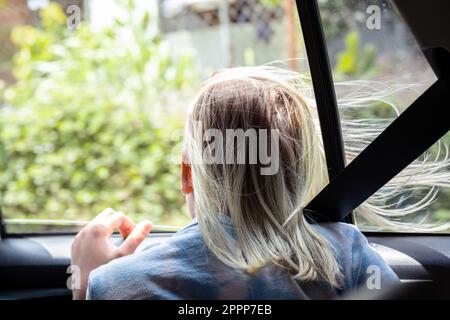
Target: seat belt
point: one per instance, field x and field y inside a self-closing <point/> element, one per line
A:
<point x="425" y="121"/>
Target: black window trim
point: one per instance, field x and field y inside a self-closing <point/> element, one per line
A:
<point x="323" y="84"/>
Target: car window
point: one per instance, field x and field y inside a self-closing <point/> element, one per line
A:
<point x="378" y="71"/>
<point x="93" y="97"/>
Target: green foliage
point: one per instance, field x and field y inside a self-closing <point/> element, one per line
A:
<point x="338" y="16"/>
<point x="355" y="61"/>
<point x="271" y="3"/>
<point x="87" y="126"/>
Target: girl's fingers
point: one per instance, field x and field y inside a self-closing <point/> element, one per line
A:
<point x="127" y="226"/>
<point x="105" y="213"/>
<point x="118" y="220"/>
<point x="134" y="239"/>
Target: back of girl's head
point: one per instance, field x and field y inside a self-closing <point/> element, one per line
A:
<point x="256" y="158"/>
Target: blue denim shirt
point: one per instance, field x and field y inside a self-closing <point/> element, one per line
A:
<point x="184" y="268"/>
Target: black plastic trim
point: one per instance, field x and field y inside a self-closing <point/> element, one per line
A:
<point x="325" y="96"/>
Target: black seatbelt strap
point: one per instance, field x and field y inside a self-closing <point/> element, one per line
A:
<point x="406" y="138"/>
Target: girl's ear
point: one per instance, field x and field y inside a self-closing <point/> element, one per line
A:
<point x="186" y="177"/>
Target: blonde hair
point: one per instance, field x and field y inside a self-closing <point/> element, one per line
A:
<point x="266" y="211"/>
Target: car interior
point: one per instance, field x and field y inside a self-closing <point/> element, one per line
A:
<point x="35" y="264"/>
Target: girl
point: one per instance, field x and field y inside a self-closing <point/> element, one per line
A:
<point x="249" y="238"/>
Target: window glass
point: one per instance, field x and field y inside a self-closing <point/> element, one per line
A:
<point x="378" y="70"/>
<point x="93" y="96"/>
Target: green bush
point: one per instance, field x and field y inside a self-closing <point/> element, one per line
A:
<point x="355" y="60"/>
<point x="87" y="123"/>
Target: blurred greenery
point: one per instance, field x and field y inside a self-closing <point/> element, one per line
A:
<point x="356" y="60"/>
<point x="86" y="124"/>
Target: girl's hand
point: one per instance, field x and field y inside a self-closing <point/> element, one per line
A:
<point x="93" y="248"/>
